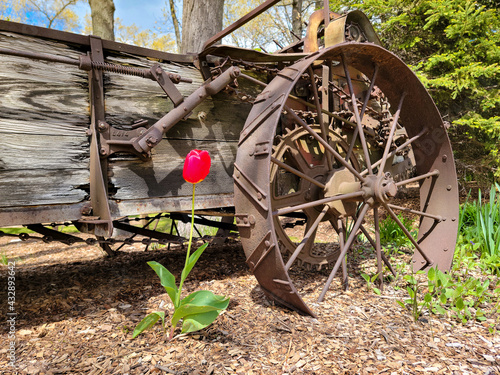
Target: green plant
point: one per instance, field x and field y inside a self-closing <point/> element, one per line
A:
<point x="3" y="259"/>
<point x="370" y="282"/>
<point x="392" y="234"/>
<point x="198" y="309"/>
<point x="461" y="298"/>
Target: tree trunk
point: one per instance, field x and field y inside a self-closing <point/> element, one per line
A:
<point x="103" y="18"/>
<point x="297" y="21"/>
<point x="201" y="19"/>
<point x="175" y="22"/>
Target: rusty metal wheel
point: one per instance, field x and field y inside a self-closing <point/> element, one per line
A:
<point x="332" y="138"/>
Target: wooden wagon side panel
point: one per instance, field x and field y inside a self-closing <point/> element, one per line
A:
<point x="44" y="112"/>
<point x="44" y="145"/>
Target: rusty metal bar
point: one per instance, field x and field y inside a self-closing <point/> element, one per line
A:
<point x="154" y="134"/>
<point x="306" y="238"/>
<point x="372" y="242"/>
<point x="325" y="144"/>
<point x="288" y="210"/>
<point x="343" y="253"/>
<point x="435" y="172"/>
<point x="243" y="20"/>
<point x="297" y="172"/>
<point x="39" y="56"/>
<point x="356" y="115"/>
<point x="391" y="136"/>
<point x="407" y="234"/>
<point x="438" y="218"/>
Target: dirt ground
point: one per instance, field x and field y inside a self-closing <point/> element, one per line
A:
<point x="76" y="310"/>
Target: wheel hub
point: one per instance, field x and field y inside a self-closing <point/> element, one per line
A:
<point x="379" y="189"/>
<point x="341" y="181"/>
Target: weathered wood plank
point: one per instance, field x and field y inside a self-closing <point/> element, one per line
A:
<point x="28" y="151"/>
<point x="41" y="186"/>
<point x="162" y="175"/>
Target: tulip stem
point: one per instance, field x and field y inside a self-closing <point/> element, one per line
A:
<point x="189" y="246"/>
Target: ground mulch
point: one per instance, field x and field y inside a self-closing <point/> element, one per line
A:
<point x="77" y="309"/>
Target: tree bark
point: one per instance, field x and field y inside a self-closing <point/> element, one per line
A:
<point x="201" y="19"/>
<point x="175" y="22"/>
<point x="297" y="21"/>
<point x="103" y="18"/>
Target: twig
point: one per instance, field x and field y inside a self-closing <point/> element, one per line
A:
<point x="166" y="369"/>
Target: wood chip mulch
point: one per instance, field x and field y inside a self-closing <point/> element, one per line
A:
<point x="77" y="309"/>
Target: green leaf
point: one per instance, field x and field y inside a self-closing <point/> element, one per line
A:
<point x="431" y="274"/>
<point x="192" y="261"/>
<point x="440" y="310"/>
<point x="197" y="303"/>
<point x="427" y="298"/>
<point x="459" y="303"/>
<point x="401" y="304"/>
<point x="366" y="277"/>
<point x="149" y="321"/>
<point x="377" y="291"/>
<point x="443" y="298"/>
<point x="193" y="323"/>
<point x="167" y="280"/>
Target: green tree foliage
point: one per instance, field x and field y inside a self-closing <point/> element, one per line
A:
<point x="454" y="47"/>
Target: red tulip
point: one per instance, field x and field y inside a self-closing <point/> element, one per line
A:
<point x="196" y="166"/>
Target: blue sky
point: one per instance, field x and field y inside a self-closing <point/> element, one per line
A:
<point x="143" y="13"/>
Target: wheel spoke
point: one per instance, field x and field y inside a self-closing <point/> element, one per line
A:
<point x="343" y="253"/>
<point x="399" y="148"/>
<point x="289" y="200"/>
<point x="369" y="92"/>
<point x="307" y="238"/>
<point x="434" y="173"/>
<point x="341" y="232"/>
<point x="420" y="213"/>
<point x="319" y="202"/>
<point x="407" y="234"/>
<point x="356" y="115"/>
<point x="363" y="109"/>
<point x="378" y="248"/>
<point x="325" y="144"/>
<point x="372" y="242"/>
<point x="391" y="135"/>
<point x="297" y="172"/>
<point x="317" y="104"/>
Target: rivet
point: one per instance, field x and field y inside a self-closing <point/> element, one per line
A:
<point x="259" y="196"/>
<point x="448" y="187"/>
<point x="267" y="243"/>
<point x="445" y="249"/>
<point x="453" y="219"/>
<point x="237" y="174"/>
<point x="444" y="158"/>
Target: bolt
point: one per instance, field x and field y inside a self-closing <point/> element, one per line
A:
<point x="444" y="158"/>
<point x="103" y="152"/>
<point x="445" y="249"/>
<point x="259" y="196"/>
<point x="151" y="141"/>
<point x="448" y="187"/>
<point x="267" y="243"/>
<point x="159" y="70"/>
<point x="102" y="126"/>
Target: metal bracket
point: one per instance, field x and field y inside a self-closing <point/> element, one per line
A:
<point x="163" y="79"/>
<point x="98" y="165"/>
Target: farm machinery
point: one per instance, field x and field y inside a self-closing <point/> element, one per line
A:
<point x="311" y="146"/>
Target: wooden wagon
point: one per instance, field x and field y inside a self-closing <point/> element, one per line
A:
<point x="306" y="143"/>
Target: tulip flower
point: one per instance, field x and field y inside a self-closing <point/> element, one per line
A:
<point x="201" y="308"/>
<point x="196" y="166"/>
